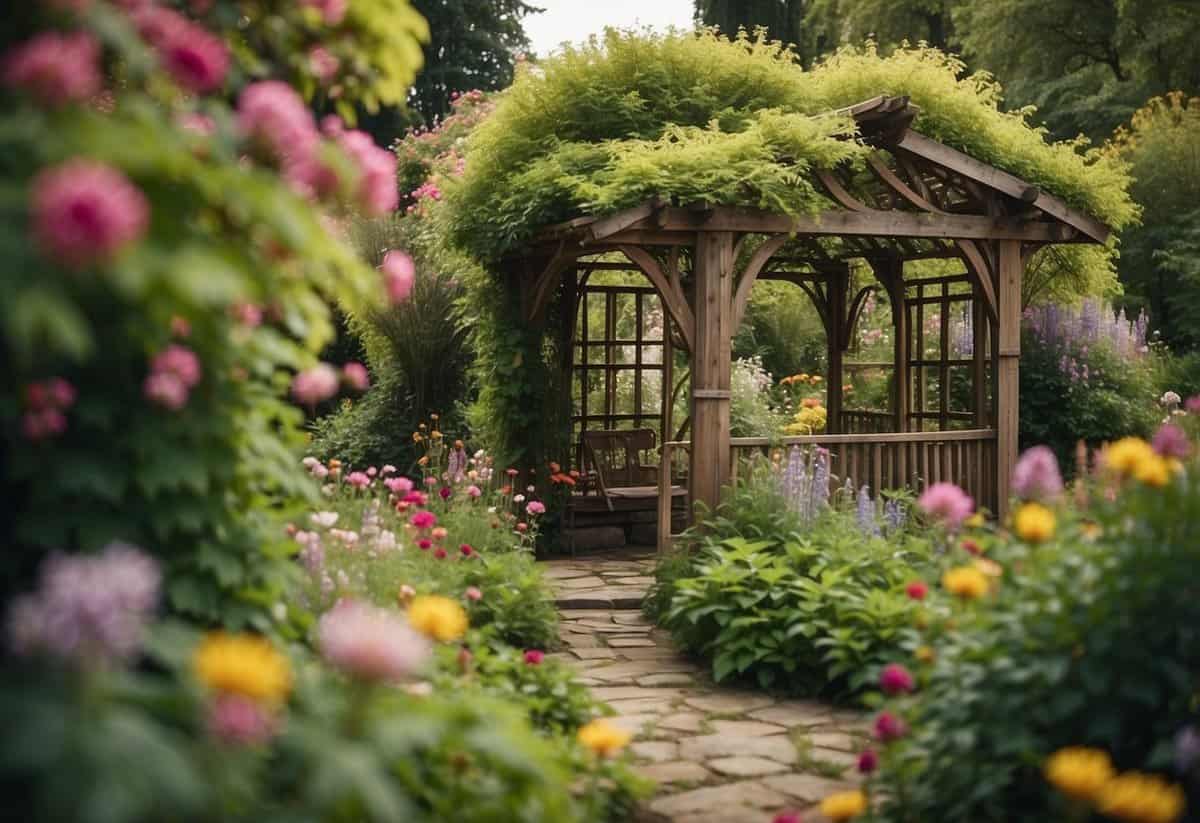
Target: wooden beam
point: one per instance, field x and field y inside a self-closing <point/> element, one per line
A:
<point x="972" y="169"/>
<point x="893" y="182"/>
<point x="871" y="223"/>
<point x="675" y="302"/>
<point x="545" y="284"/>
<point x="713" y="275"/>
<point x="759" y="259"/>
<point x="983" y="275"/>
<point x="1008" y="369"/>
<point x="608" y="226"/>
<point x="839" y="192"/>
<point x="836" y="291"/>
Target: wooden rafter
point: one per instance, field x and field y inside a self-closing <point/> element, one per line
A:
<point x="672" y="293"/>
<point x="749" y="274"/>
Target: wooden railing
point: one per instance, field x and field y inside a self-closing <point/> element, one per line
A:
<point x="890" y="460"/>
<point x="866" y="421"/>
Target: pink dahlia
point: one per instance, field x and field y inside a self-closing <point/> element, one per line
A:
<point x="84" y="212"/>
<point x="165" y="389"/>
<point x="355" y="376"/>
<point x="423" y="520"/>
<point x="377" y="192"/>
<point x="399" y="275"/>
<point x="917" y="590"/>
<point x="534" y="657"/>
<point x="239" y="721"/>
<point x="895" y="679"/>
<point x="370" y="643"/>
<point x="55" y="69"/>
<point x="179" y="361"/>
<point x="397" y="485"/>
<point x="889" y="727"/>
<point x="315" y="385"/>
<point x="332" y="11"/>
<point x="1036" y="475"/>
<point x="946" y="502"/>
<point x="274" y="114"/>
<point x="1171" y="441"/>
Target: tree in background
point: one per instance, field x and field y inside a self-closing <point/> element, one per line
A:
<point x="783" y="19"/>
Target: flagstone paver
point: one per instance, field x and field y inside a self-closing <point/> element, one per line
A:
<point x="718" y="754"/>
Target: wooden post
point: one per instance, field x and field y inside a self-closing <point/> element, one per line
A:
<point x="979" y="343"/>
<point x="836" y="289"/>
<point x="713" y="309"/>
<point x="1008" y="366"/>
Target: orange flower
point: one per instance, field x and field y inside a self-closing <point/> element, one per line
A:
<point x="555" y="468"/>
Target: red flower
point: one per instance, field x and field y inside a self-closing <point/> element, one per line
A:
<point x="889" y="727"/>
<point x="444" y="492"/>
<point x="917" y="590"/>
<point x="895" y="679"/>
<point x="868" y="761"/>
<point x="424" y="545"/>
<point x="466" y="550"/>
<point x="440" y="554"/>
<point x="534" y="657"/>
<point x="971" y="547"/>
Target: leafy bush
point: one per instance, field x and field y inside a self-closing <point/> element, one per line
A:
<point x="809" y="609"/>
<point x="1087" y="638"/>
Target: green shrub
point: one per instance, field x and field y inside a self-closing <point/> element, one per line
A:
<point x="1089" y="639"/>
<point x="812" y="610"/>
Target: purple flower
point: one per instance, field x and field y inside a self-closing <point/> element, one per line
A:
<point x="946" y="502"/>
<point x="87" y="610"/>
<point x="1171" y="441"/>
<point x="1036" y="475"/>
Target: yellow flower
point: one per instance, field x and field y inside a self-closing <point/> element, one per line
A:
<point x="925" y="654"/>
<point x="844" y="805"/>
<point x="438" y="617"/>
<point x="1090" y="530"/>
<point x="1079" y="772"/>
<point x="967" y="582"/>
<point x="604" y="738"/>
<point x="1127" y="454"/>
<point x="1153" y="471"/>
<point x="989" y="567"/>
<point x="435" y="434"/>
<point x="1141" y="798"/>
<point x="244" y="664"/>
<point x="417" y="438"/>
<point x="976" y="521"/>
<point x="1034" y="523"/>
<point x="816" y="378"/>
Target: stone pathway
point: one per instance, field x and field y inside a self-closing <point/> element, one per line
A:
<point x="718" y="754"/>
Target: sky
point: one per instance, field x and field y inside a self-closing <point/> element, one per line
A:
<point x="574" y="20"/>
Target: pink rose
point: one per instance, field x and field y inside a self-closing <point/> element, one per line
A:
<point x="274" y="114"/>
<point x="55" y="69"/>
<point x="179" y="361"/>
<point x="889" y="727"/>
<point x="356" y="377"/>
<point x="377" y="192"/>
<point x="315" y="385"/>
<point x="85" y="212"/>
<point x="399" y="275"/>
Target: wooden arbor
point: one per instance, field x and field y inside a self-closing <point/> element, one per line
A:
<point x="915" y="199"/>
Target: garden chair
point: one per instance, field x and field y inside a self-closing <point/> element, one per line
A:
<point x="622" y="479"/>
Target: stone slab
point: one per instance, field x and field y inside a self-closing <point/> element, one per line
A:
<point x="684" y="722"/>
<point x="793" y="713"/>
<point x="598" y="653"/>
<point x="746" y="766"/>
<point x="630" y="642"/>
<point x="730" y="702"/>
<point x="709" y="746"/>
<point x="809" y="788"/>
<point x="633" y="693"/>
<point x="678" y="771"/>
<point x="746" y="728"/>
<point x="667" y="679"/>
<point x="656" y="751"/>
<point x="720" y="800"/>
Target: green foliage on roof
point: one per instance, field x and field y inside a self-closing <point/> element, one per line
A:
<point x="696" y="117"/>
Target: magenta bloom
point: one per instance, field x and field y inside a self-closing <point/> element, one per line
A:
<point x="197" y="59"/>
<point x="84" y="212"/>
<point x="356" y="377"/>
<point x="1192" y="404"/>
<point x="423" y="520"/>
<point x="370" y="643"/>
<point x="1171" y="441"/>
<point x="444" y="492"/>
<point x="946" y="502"/>
<point x="377" y="192"/>
<point x="274" y="114"/>
<point x="895" y="679"/>
<point x="239" y="721"/>
<point x="332" y="11"/>
<point x="889" y="727"/>
<point x="399" y="275"/>
<point x="535" y="507"/>
<point x="424" y="544"/>
<point x="786" y="817"/>
<point x="43" y="424"/>
<point x="415" y="498"/>
<point x="534" y="657"/>
<point x="314" y="385"/>
<point x="179" y="361"/>
<point x="165" y="389"/>
<point x="465" y="550"/>
<point x="916" y="590"/>
<point x="55" y="69"/>
<point x="1036" y="475"/>
<point x="359" y="480"/>
<point x="397" y="485"/>
<point x="868" y="761"/>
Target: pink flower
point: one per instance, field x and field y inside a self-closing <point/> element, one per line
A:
<point x="1192" y="405"/>
<point x="916" y="590"/>
<point x="440" y="553"/>
<point x="370" y="643"/>
<point x="43" y="424"/>
<point x="868" y="761"/>
<point x="444" y="492"/>
<point x="55" y="69"/>
<point x="895" y="679"/>
<point x="356" y="377"/>
<point x="889" y="727"/>
<point x="275" y="115"/>
<point x="197" y="59"/>
<point x="388" y="468"/>
<point x="179" y="361"/>
<point x="248" y="314"/>
<point x="377" y="192"/>
<point x="397" y="485"/>
<point x="786" y="817"/>
<point x="399" y="275"/>
<point x="423" y="520"/>
<point x="474" y="594"/>
<point x="534" y="657"/>
<point x="84" y="212"/>
<point x="535" y="507"/>
<point x="1036" y="475"/>
<point x="314" y="385"/>
<point x="358" y="480"/>
<point x="239" y="721"/>
<point x="165" y="389"/>
<point x="439" y="534"/>
<point x="1171" y="441"/>
<point x="424" y="544"/>
<point x="474" y="491"/>
<point x="323" y="64"/>
<point x="416" y="498"/>
<point x="946" y="502"/>
<point x="522" y="527"/>
<point x="430" y="481"/>
<point x="465" y="550"/>
<point x="332" y="11"/>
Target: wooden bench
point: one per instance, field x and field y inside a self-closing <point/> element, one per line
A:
<point x="615" y="461"/>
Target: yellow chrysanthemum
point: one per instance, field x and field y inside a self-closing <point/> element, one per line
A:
<point x="437" y="617"/>
<point x="966" y="582"/>
<point x="844" y="805"/>
<point x="1079" y="772"/>
<point x="1141" y="798"/>
<point x="1125" y="455"/>
<point x="1153" y="471"/>
<point x="604" y="738"/>
<point x="975" y="521"/>
<point x="244" y="664"/>
<point x="1034" y="523"/>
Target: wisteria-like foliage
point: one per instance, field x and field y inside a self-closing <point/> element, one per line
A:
<point x="804" y="481"/>
<point x="1073" y="330"/>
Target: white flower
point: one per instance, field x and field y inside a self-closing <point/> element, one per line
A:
<point x="1170" y="398"/>
<point x="319" y="471"/>
<point x="328" y="490"/>
<point x="520" y="498"/>
<point x="324" y="519"/>
<point x="491" y="509"/>
<point x="386" y="541"/>
<point x="479" y="454"/>
<point x="309" y="462"/>
<point x="279" y="612"/>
